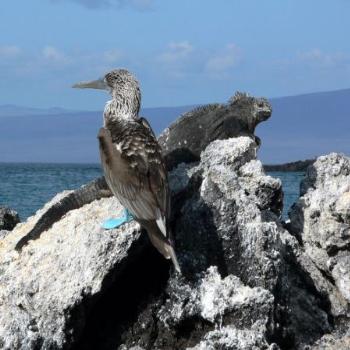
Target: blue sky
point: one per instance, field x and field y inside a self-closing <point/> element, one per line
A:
<point x="183" y="52"/>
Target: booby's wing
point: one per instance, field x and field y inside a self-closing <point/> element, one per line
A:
<point x="163" y="196"/>
<point x="135" y="171"/>
<point x="146" y="124"/>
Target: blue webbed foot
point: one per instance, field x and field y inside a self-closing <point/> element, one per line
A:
<point x="117" y="222"/>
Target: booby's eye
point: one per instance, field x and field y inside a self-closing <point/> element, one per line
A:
<point x="107" y="79"/>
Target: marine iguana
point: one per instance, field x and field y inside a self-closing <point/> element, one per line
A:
<point x="188" y="136"/>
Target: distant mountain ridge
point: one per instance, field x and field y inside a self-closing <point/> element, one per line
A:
<point x="306" y="126"/>
<point x="301" y="127"/>
<point x="9" y="110"/>
<point x="300" y="165"/>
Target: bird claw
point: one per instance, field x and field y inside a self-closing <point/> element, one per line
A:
<point x="117" y="222"/>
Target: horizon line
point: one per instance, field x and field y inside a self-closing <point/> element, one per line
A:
<point x="72" y="110"/>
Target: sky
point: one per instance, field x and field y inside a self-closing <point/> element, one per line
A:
<point x="183" y="52"/>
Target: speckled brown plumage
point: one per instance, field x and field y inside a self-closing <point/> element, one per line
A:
<point x="132" y="161"/>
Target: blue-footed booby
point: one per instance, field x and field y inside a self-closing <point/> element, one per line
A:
<point x="132" y="162"/>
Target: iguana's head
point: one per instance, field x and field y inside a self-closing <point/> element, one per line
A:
<point x="257" y="108"/>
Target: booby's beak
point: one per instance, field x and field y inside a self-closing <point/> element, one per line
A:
<point x="94" y="84"/>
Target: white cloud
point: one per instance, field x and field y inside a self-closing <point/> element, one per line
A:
<point x="176" y="59"/>
<point x="319" y="58"/>
<point x="9" y="51"/>
<point x="140" y="5"/>
<point x="52" y="58"/>
<point x="181" y="60"/>
<point x="112" y="56"/>
<point x="219" y="64"/>
<point x="316" y="59"/>
<point x="57" y="65"/>
<point x="53" y="55"/>
<point x="176" y="51"/>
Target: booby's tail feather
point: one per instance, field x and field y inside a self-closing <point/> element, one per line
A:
<point x="163" y="245"/>
<point x="175" y="262"/>
<point x="173" y="257"/>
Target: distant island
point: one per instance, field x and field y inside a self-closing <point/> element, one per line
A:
<point x="295" y="130"/>
<point x="300" y="165"/>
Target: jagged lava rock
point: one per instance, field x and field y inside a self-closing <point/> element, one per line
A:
<point x="216" y="225"/>
<point x="321" y="221"/>
<point x="189" y="135"/>
<point x="231" y="338"/>
<point x="332" y="342"/>
<point x="246" y="281"/>
<point x="231" y="221"/>
<point x="8" y="219"/>
<point x="240" y="287"/>
<point x="47" y="289"/>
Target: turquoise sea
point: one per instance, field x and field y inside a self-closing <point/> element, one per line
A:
<point x="27" y="187"/>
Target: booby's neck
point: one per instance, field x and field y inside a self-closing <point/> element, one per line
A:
<point x="121" y="109"/>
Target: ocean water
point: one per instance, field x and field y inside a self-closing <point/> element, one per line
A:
<point x="291" y="187"/>
<point x="27" y="187"/>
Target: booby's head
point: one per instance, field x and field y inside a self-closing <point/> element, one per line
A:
<point x="123" y="87"/>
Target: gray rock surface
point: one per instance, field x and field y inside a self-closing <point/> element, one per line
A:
<point x="321" y="221"/>
<point x="231" y="338"/>
<point x="3" y="233"/>
<point x="242" y="286"/>
<point x="247" y="282"/>
<point x="8" y="219"/>
<point x="46" y="290"/>
<point x="190" y="134"/>
<point x="331" y="342"/>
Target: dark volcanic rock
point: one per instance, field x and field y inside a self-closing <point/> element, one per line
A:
<point x="189" y="135"/>
<point x="47" y="289"/>
<point x="8" y="219"/>
<point x="246" y="283"/>
<point x="300" y="165"/>
<point x="321" y="221"/>
<point x="242" y="286"/>
<point x="333" y="342"/>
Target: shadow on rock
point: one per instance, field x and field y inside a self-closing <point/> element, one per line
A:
<point x="197" y="238"/>
<point x="111" y="320"/>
